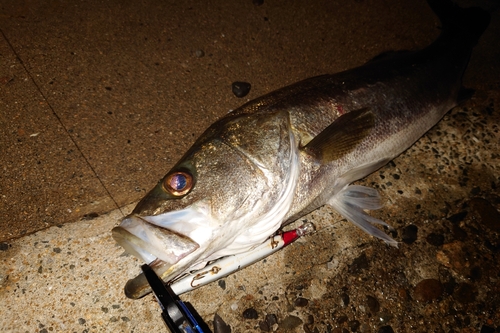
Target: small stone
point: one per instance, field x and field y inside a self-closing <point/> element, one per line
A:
<point x="290" y="322"/>
<point x="487" y="329"/>
<point x="4" y="246"/>
<point x="489" y="216"/>
<point x="258" y="2"/>
<point x="428" y="290"/>
<point x="301" y="302"/>
<point x="365" y="328"/>
<point x="199" y="53"/>
<point x="449" y="287"/>
<point x="452" y="255"/>
<point x="385" y="329"/>
<point x="341" y="320"/>
<point x="264" y="327"/>
<point x="90" y="216"/>
<point x="475" y="190"/>
<point x="410" y="234"/>
<point x="458" y="233"/>
<point x="344" y="299"/>
<point x="373" y="304"/>
<point x="241" y="89"/>
<point x="271" y="319"/>
<point x="220" y="325"/>
<point x="222" y="284"/>
<point x="457" y="218"/>
<point x="354" y="325"/>
<point x="435" y="239"/>
<point x="250" y="313"/>
<point x="56" y="250"/>
<point x="465" y="293"/>
<point x="403" y="294"/>
<point x="475" y="273"/>
<point x="81" y="321"/>
<point x="384" y="317"/>
<point x="358" y="264"/>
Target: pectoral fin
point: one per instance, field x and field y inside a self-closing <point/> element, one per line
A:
<point x="341" y="136"/>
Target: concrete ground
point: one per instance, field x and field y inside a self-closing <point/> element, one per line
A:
<point x="99" y="99"/>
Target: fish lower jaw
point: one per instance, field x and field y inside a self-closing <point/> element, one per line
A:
<point x="138" y="287"/>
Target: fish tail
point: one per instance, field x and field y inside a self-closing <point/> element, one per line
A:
<point x="468" y="23"/>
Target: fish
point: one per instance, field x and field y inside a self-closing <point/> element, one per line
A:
<point x="285" y="154"/>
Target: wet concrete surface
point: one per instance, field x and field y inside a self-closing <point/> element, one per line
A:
<point x="99" y="99"/>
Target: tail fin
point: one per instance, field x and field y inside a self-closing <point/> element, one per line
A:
<point x="470" y="23"/>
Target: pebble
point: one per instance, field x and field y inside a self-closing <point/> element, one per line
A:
<point x="384" y="317"/>
<point x="271" y="319"/>
<point x="241" y="89"/>
<point x="403" y="294"/>
<point x="250" y="313"/>
<point x="90" y="216"/>
<point x="4" y="246"/>
<point x="301" y="302"/>
<point x="465" y="293"/>
<point x="457" y="218"/>
<point x="264" y="327"/>
<point x="428" y="290"/>
<point x="290" y="322"/>
<point x="385" y="329"/>
<point x="372" y="304"/>
<point x="354" y="325"/>
<point x="199" y="53"/>
<point x="358" y="264"/>
<point x="475" y="273"/>
<point x="341" y="320"/>
<point x="487" y="329"/>
<point x="410" y="234"/>
<point x="449" y="287"/>
<point x="222" y="284"/>
<point x="435" y="239"/>
<point x="452" y="255"/>
<point x="489" y="216"/>
<point x="344" y="299"/>
<point x="220" y="325"/>
<point x="458" y="233"/>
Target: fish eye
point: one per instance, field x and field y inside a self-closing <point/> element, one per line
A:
<point x="178" y="183"/>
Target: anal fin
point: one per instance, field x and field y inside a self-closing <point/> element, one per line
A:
<point x="351" y="202"/>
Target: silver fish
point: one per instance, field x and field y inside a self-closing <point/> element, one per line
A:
<point x="291" y="151"/>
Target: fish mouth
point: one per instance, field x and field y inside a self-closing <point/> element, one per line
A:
<point x="160" y="247"/>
